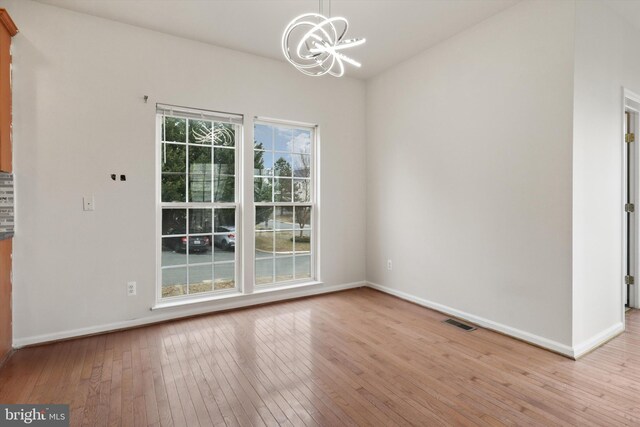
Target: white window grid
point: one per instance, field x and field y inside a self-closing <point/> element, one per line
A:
<point x="188" y="206"/>
<point x="311" y="229"/>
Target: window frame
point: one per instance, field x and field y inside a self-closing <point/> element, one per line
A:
<point x="236" y="204"/>
<point x="314" y="203"/>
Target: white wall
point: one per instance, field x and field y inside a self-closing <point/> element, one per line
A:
<point x="606" y="59"/>
<point x="469" y="174"/>
<point x="493" y="167"/>
<point x="79" y="116"/>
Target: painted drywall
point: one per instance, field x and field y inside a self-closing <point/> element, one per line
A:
<point x="605" y="62"/>
<point x="79" y="116"/>
<point x="469" y="179"/>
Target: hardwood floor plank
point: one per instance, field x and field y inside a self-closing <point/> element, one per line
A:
<point x="188" y="387"/>
<point x="290" y="398"/>
<point x="359" y="389"/>
<point x="148" y="386"/>
<point x="162" y="399"/>
<point x="199" y="381"/>
<point x="229" y="404"/>
<point x="23" y="370"/>
<point x="246" y="358"/>
<point x="291" y="383"/>
<point x="357" y="357"/>
<point x="93" y="385"/>
<point x="222" y="397"/>
<point x="238" y="378"/>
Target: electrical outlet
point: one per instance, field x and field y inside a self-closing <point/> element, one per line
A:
<point x="88" y="203"/>
<point x="389" y="265"/>
<point x="131" y="288"/>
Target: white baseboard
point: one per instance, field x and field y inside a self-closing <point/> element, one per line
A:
<point x="262" y="298"/>
<point x="597" y="340"/>
<point x="178" y="312"/>
<point x="480" y="321"/>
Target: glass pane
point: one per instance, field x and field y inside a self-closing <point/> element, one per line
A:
<point x="174" y="187"/>
<point x="283" y="140"/>
<point x="224" y="276"/>
<point x="282" y="165"/>
<point x="224" y="189"/>
<point x="174" y="158"/>
<point x="224" y="161"/>
<point x="174" y="129"/>
<point x="284" y="269"/>
<point x="199" y="159"/>
<point x="200" y="187"/>
<point x="264" y="218"/>
<point x="301" y="165"/>
<point x="225" y="217"/>
<point x="303" y="241"/>
<point x="282" y="190"/>
<point x="199" y="174"/>
<point x="301" y="141"/>
<point x="284" y="217"/>
<point x="199" y="132"/>
<point x="263" y="163"/>
<point x="264" y="244"/>
<point x="174" y="221"/>
<point x="284" y="242"/>
<point x="224" y="134"/>
<point x="224" y="251"/>
<point x="200" y="279"/>
<point x="303" y="217"/>
<point x="174" y="281"/>
<point x="224" y="239"/>
<point x="262" y="190"/>
<point x="225" y="243"/>
<point x="200" y="221"/>
<point x="263" y="137"/>
<point x="264" y="271"/>
<point x="200" y="249"/>
<point x="173" y="252"/>
<point x="303" y="266"/>
<point x="302" y="190"/>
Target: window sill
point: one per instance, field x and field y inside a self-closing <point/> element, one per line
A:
<point x="231" y="295"/>
<point x="285" y="287"/>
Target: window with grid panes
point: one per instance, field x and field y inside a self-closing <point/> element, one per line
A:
<point x="198" y="201"/>
<point x="284" y="198"/>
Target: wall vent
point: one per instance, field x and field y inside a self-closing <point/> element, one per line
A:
<point x="460" y="325"/>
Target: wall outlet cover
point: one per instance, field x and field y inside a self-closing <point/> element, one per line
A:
<point x="131" y="288"/>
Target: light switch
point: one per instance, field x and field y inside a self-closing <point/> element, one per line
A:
<point x="88" y="203"/>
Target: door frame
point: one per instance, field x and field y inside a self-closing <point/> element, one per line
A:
<point x="8" y="29"/>
<point x="631" y="104"/>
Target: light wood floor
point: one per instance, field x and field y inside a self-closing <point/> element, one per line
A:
<point x="358" y="357"/>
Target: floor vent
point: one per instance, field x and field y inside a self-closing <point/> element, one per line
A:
<point x="460" y="325"/>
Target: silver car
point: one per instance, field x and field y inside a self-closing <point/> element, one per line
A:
<point x="226" y="241"/>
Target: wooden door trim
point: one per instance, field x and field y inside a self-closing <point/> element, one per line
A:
<point x="7" y="30"/>
<point x="8" y="23"/>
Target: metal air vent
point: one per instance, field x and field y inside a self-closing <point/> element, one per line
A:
<point x="464" y="327"/>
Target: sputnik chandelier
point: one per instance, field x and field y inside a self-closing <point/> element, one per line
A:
<point x="313" y="43"/>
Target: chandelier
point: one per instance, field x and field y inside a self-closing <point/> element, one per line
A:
<point x="314" y="44"/>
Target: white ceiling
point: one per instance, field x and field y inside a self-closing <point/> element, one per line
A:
<point x="395" y="29"/>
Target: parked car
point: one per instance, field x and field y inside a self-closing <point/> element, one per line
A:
<point x="227" y="241"/>
<point x="196" y="243"/>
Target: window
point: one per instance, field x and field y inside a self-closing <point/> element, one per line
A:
<point x="284" y="203"/>
<point x="198" y="201"/>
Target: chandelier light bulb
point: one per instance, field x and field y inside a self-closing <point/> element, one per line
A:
<point x="312" y="43"/>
